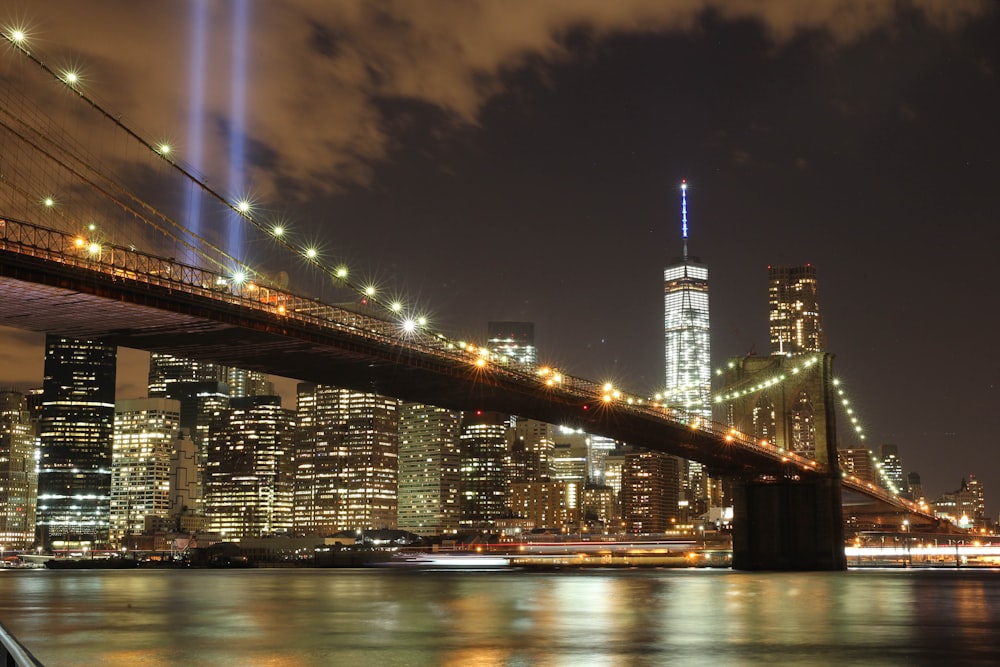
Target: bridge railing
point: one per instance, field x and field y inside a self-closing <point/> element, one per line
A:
<point x="12" y="653"/>
<point x="129" y="263"/>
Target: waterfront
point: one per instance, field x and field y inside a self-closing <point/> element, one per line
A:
<point x="594" y="617"/>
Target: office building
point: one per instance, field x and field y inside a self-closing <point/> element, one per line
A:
<point x="18" y="474"/>
<point x="166" y="370"/>
<point x="483" y="449"/>
<point x="549" y="504"/>
<point x="650" y="483"/>
<point x="892" y="468"/>
<point x="795" y="323"/>
<point x="76" y="429"/>
<point x="688" y="350"/>
<point x="347" y="460"/>
<point x="250" y="470"/>
<point x="429" y="462"/>
<point x="513" y="340"/>
<point x="145" y="485"/>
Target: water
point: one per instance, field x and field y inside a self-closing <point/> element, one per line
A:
<point x="597" y="617"/>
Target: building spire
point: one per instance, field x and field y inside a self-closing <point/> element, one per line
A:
<point x="684" y="215"/>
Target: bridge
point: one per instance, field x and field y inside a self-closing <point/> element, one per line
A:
<point x="72" y="277"/>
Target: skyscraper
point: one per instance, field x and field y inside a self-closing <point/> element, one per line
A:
<point x="75" y="433"/>
<point x="686" y="329"/>
<point x="166" y="370"/>
<point x="18" y="477"/>
<point x="483" y="475"/>
<point x="250" y="469"/>
<point x="515" y="340"/>
<point x="146" y="437"/>
<point x="688" y="351"/>
<point x="429" y="469"/>
<point x="795" y="324"/>
<point x="347" y="468"/>
<point x="892" y="468"/>
<point x="649" y="491"/>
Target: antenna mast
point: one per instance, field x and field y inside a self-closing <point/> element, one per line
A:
<point x="684" y="215"/>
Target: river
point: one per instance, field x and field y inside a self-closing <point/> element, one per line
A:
<point x="300" y="617"/>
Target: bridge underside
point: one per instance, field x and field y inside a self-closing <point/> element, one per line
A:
<point x="37" y="295"/>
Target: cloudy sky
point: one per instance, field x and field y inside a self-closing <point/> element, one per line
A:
<point x="520" y="160"/>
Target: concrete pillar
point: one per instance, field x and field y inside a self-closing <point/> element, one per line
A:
<point x="788" y="525"/>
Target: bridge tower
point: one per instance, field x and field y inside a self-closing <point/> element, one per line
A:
<point x="790" y="523"/>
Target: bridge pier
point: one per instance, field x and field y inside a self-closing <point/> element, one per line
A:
<point x="788" y="525"/>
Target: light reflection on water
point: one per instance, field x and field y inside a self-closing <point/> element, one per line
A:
<point x="596" y="617"/>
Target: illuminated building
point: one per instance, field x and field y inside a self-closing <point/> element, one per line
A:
<point x="75" y="436"/>
<point x="483" y="447"/>
<point x="569" y="458"/>
<point x="248" y="486"/>
<point x="144" y="482"/>
<point x="429" y="464"/>
<point x="202" y="404"/>
<point x="347" y="467"/>
<point x="686" y="328"/>
<point x="243" y="383"/>
<point x="687" y="344"/>
<point x="534" y="439"/>
<point x="166" y="369"/>
<point x="514" y="340"/>
<point x="598" y="504"/>
<point x="549" y="504"/>
<point x="649" y="491"/>
<point x="18" y="475"/>
<point x="892" y="467"/>
<point x="598" y="449"/>
<point x="795" y="323"/>
<point x="858" y="463"/>
<point x="966" y="506"/>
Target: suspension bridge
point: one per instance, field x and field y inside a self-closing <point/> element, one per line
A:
<point x="93" y="219"/>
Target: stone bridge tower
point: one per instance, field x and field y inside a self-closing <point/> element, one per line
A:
<point x="791" y="523"/>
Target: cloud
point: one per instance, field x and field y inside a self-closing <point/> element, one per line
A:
<point x="319" y="68"/>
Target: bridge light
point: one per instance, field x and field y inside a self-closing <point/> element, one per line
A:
<point x="243" y="206"/>
<point x="370" y="290"/>
<point x="49" y="202"/>
<point x="281" y="310"/>
<point x="409" y="326"/>
<point x="94" y="249"/>
<point x="480" y="362"/>
<point x="606" y="398"/>
<point x="341" y="272"/>
<point x="608" y="386"/>
<point x="17" y="36"/>
<point x="422" y="321"/>
<point x="239" y="277"/>
<point x="397" y="306"/>
<point x="311" y="253"/>
<point x="163" y="149"/>
<point x="70" y="77"/>
<point x="557" y="378"/>
<point x="79" y="242"/>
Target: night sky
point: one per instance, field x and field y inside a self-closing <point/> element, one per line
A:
<point x="521" y="160"/>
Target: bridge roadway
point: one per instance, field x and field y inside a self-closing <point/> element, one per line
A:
<point x="55" y="282"/>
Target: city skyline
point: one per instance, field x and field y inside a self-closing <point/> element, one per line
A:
<point x="864" y="147"/>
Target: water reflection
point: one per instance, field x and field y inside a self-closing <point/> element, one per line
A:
<point x="375" y="617"/>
